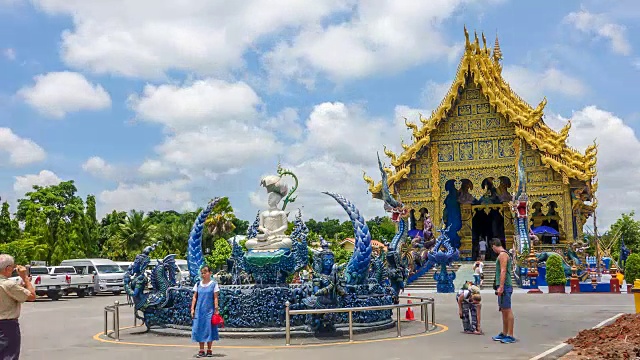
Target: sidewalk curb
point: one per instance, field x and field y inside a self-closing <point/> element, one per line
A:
<point x="563" y="349"/>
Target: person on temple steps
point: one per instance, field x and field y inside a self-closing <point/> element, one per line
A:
<point x="482" y="245"/>
<point x="504" y="289"/>
<point x="203" y="306"/>
<point x="478" y="274"/>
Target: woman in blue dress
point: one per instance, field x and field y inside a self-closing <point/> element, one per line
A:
<point x="203" y="306"/>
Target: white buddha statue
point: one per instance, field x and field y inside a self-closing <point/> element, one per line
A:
<point x="273" y="222"/>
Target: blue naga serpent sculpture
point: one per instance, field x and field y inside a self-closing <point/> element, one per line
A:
<point x="397" y="265"/>
<point x="195" y="257"/>
<point x="163" y="281"/>
<point x="167" y="302"/>
<point x="357" y="270"/>
<point x="443" y="254"/>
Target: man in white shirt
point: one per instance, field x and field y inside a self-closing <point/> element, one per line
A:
<point x="477" y="272"/>
<point x="12" y="295"/>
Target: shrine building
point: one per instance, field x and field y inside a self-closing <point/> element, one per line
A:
<point x="465" y="156"/>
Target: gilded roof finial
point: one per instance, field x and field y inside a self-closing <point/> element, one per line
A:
<point x="368" y="180"/>
<point x="497" y="54"/>
<point x="484" y="43"/>
<point x="404" y="146"/>
<point x="476" y="42"/>
<point x="466" y="38"/>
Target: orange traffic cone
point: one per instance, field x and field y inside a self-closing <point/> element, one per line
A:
<point x="409" y="316"/>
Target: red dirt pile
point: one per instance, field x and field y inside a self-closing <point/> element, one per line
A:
<point x="620" y="340"/>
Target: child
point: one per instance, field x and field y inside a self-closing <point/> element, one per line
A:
<point x="469" y="308"/>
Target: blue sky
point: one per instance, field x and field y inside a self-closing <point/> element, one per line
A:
<point x="152" y="106"/>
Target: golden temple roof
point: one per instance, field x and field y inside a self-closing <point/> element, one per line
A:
<point x="485" y="71"/>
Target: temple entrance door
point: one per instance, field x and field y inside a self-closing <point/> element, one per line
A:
<point x="488" y="226"/>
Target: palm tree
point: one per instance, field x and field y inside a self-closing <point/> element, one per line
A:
<point x="136" y="232"/>
<point x="220" y="221"/>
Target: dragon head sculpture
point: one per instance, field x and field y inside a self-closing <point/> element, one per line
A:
<point x="391" y="205"/>
<point x="142" y="260"/>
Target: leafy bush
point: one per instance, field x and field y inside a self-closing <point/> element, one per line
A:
<point x="632" y="268"/>
<point x="555" y="271"/>
<point x="221" y="252"/>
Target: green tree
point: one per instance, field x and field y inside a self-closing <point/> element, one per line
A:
<point x="24" y="250"/>
<point x="90" y="228"/>
<point x="627" y="228"/>
<point x="220" y="221"/>
<point x="108" y="229"/>
<point x="221" y="252"/>
<point x="632" y="269"/>
<point x="382" y="228"/>
<point x="135" y="233"/>
<point x="9" y="229"/>
<point x="59" y="205"/>
<point x="340" y="254"/>
<point x="241" y="226"/>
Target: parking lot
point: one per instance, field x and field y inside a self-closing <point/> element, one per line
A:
<point x="65" y="329"/>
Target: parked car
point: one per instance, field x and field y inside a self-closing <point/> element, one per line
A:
<point x="45" y="283"/>
<point x="107" y="274"/>
<point x="183" y="272"/>
<point x="79" y="284"/>
<point x="124" y="265"/>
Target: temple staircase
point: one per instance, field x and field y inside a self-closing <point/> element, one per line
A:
<point x="464" y="272"/>
<point x="426" y="281"/>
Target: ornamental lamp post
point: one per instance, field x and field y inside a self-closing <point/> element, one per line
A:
<point x="614" y="283"/>
<point x="532" y="274"/>
<point x="574" y="282"/>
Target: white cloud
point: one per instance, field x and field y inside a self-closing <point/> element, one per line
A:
<point x="618" y="175"/>
<point x="636" y="63"/>
<point x="204" y="102"/>
<point x="434" y="92"/>
<point x="340" y="142"/>
<point x="382" y="36"/>
<point x="57" y="93"/>
<point x="216" y="127"/>
<point x="98" y="167"/>
<point x="9" y="54"/>
<point x="21" y="150"/>
<point x="170" y="195"/>
<point x="219" y="150"/>
<point x="154" y="168"/>
<point x="286" y="122"/>
<point x="598" y="26"/>
<point x="532" y="86"/>
<point x="25" y="183"/>
<point x="346" y="133"/>
<point x="146" y="38"/>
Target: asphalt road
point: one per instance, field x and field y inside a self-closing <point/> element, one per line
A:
<point x="65" y="330"/>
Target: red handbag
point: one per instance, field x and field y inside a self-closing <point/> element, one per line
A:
<point x="217" y="320"/>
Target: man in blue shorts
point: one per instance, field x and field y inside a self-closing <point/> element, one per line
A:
<point x="504" y="289"/>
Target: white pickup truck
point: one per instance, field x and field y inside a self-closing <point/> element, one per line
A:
<point x="51" y="285"/>
<point x="78" y="283"/>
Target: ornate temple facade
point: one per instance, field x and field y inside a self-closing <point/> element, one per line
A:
<point x="465" y="156"/>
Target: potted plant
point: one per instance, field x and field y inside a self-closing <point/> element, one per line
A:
<point x="555" y="274"/>
<point x="632" y="270"/>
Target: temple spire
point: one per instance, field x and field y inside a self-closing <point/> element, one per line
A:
<point x="497" y="54"/>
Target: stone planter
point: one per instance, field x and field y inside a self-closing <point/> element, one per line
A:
<point x="556" y="289"/>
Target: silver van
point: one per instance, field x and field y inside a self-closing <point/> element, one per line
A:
<point x="108" y="275"/>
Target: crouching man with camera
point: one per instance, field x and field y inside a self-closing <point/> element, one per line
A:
<point x="12" y="295"/>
